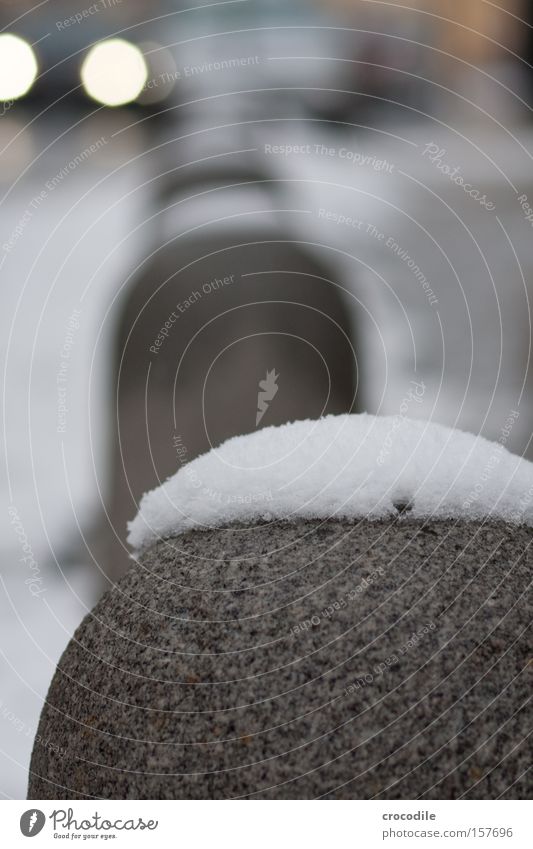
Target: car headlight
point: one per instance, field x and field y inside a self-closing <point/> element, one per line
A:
<point x="114" y="72"/>
<point x="18" y="67"/>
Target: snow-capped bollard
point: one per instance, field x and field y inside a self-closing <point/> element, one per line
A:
<point x="305" y="621"/>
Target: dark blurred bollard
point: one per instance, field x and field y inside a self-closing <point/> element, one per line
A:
<point x="345" y="660"/>
<point x="210" y="317"/>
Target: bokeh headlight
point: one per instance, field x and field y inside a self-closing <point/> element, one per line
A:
<point x="163" y="73"/>
<point x="114" y="72"/>
<point x="18" y="67"/>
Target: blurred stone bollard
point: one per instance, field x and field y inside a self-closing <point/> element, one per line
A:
<point x="226" y="299"/>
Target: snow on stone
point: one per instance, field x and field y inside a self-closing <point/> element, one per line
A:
<point x="349" y="466"/>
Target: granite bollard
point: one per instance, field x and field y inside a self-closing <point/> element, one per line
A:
<point x="374" y="650"/>
<point x="350" y="661"/>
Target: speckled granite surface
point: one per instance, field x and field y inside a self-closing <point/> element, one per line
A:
<point x="303" y="660"/>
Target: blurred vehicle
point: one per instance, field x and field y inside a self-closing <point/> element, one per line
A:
<point x="104" y="52"/>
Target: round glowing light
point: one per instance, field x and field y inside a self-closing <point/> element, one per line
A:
<point x="18" y="67"/>
<point x="114" y="72"/>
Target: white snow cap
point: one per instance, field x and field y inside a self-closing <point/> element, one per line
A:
<point x="349" y="466"/>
